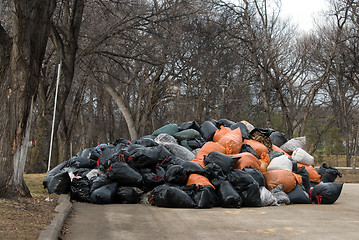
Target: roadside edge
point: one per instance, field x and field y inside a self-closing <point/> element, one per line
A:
<point x="62" y="210"/>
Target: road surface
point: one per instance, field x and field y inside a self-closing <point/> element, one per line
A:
<point x="137" y="221"/>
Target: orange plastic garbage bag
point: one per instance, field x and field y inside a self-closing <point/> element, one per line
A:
<point x="285" y="177"/>
<point x="314" y="176"/>
<point x="220" y="133"/>
<point x="232" y="141"/>
<point x="198" y="180"/>
<point x="258" y="147"/>
<point x="209" y="147"/>
<point x="247" y="160"/>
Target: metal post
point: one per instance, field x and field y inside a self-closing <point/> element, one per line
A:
<point x="54" y="114"/>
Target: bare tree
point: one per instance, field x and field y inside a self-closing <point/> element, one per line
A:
<point x="21" y="54"/>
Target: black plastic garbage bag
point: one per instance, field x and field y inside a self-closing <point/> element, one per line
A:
<point x="224" y="122"/>
<point x="99" y="181"/>
<point x="148" y="156"/>
<point x="60" y="183"/>
<point x="244" y="129"/>
<point x="257" y="175"/>
<point x="251" y="196"/>
<point x="208" y="129"/>
<point x="128" y="195"/>
<point x="53" y="172"/>
<point x="170" y="161"/>
<point x="248" y="148"/>
<point x="192" y="167"/>
<point x="224" y="161"/>
<point x="215" y="174"/>
<point x="81" y="162"/>
<point x="80" y="189"/>
<point x="176" y="175"/>
<point x="299" y="196"/>
<point x="124" y="175"/>
<point x="228" y="197"/>
<point x="240" y="179"/>
<point x="189" y="125"/>
<point x="173" y="197"/>
<point x="105" y="194"/>
<point x="277" y="138"/>
<point x="326" y="193"/>
<point x="205" y="197"/>
<point x="329" y="174"/>
<point x="196" y="143"/>
<point x="305" y="178"/>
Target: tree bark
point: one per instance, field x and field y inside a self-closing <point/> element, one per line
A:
<point x="21" y="59"/>
<point x="125" y="111"/>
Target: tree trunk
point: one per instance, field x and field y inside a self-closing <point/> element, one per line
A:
<point x="125" y="111"/>
<point x="21" y="59"/>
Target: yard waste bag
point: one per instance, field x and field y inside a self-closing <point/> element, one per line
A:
<point x="124" y="175"/>
<point x="170" y="129"/>
<point x="99" y="181"/>
<point x="314" y="176"/>
<point x="209" y="147"/>
<point x="148" y="156"/>
<point x="280" y="195"/>
<point x="169" y="196"/>
<point x="128" y="195"/>
<point x="251" y="195"/>
<point x="192" y="167"/>
<point x="205" y="197"/>
<point x="198" y="180"/>
<point x="105" y="194"/>
<point x="280" y="163"/>
<point x="189" y="125"/>
<point x="207" y="130"/>
<point x="176" y="175"/>
<point x="277" y="138"/>
<point x="326" y="193"/>
<point x="243" y="128"/>
<point x="53" y="172"/>
<point x="81" y="162"/>
<point x="246" y="159"/>
<point x="285" y="177"/>
<point x="267" y="198"/>
<point x="80" y="189"/>
<point x="224" y="161"/>
<point x="220" y="133"/>
<point x="257" y="175"/>
<point x="228" y="197"/>
<point x="328" y="174"/>
<point x="299" y="196"/>
<point x="305" y="178"/>
<point x="187" y="134"/>
<point x="291" y="145"/>
<point x="232" y="141"/>
<point x="59" y="184"/>
<point x="301" y="156"/>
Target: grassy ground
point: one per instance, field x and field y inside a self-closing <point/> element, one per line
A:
<point x="24" y="218"/>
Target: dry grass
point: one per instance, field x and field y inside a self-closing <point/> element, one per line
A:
<point x="24" y="218"/>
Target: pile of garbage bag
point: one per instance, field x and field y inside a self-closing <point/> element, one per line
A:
<point x="216" y="164"/>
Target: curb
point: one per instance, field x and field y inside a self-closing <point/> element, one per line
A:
<point x="53" y="230"/>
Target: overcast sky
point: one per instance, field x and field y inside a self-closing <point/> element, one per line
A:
<point x="302" y="12"/>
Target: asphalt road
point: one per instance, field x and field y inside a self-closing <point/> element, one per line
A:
<point x="137" y="221"/>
